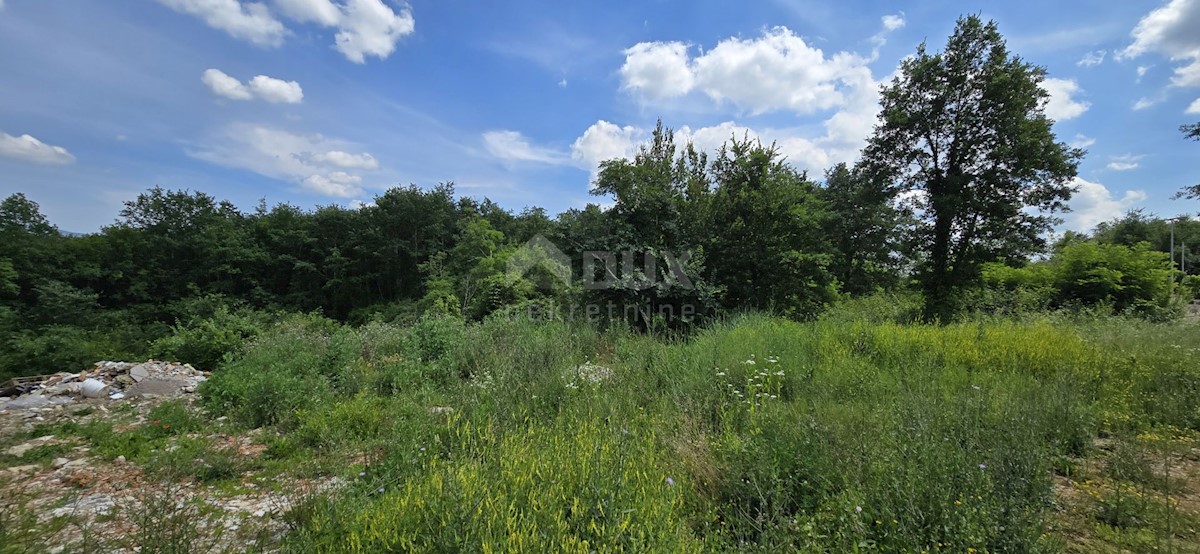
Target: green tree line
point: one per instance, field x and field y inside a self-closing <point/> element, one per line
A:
<point x="962" y="176"/>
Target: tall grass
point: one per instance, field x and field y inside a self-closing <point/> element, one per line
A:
<point x="857" y="432"/>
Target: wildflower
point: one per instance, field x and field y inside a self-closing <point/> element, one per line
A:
<point x="779" y="373"/>
<point x="362" y="474"/>
<point x="670" y="482"/>
<point x="422" y="449"/>
<point x="380" y="490"/>
<point x="976" y="387"/>
<point x="982" y="466"/>
<point x="858" y="509"/>
<point x="720" y="374"/>
<point x="749" y="362"/>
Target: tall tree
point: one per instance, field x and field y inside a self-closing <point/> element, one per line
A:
<point x="767" y="246"/>
<point x="965" y="134"/>
<point x="863" y="227"/>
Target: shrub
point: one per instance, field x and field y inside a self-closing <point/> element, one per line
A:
<point x="279" y="373"/>
<point x="207" y="342"/>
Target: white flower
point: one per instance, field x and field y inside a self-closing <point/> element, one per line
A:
<point x="720" y="374"/>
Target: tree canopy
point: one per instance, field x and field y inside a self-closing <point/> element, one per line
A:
<point x="964" y="138"/>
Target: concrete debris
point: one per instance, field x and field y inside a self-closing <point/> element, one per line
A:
<point x="107" y="380"/>
<point x="20" y="449"/>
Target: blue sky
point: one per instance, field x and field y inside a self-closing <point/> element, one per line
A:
<point x="332" y="101"/>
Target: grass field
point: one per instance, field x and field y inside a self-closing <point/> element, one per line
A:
<point x="849" y="434"/>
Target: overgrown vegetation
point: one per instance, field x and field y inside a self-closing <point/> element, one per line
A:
<point x="894" y="360"/>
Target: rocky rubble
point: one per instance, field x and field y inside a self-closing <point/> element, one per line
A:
<point x="106" y="380"/>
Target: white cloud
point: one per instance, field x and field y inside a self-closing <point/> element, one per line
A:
<point x="337" y="183"/>
<point x="1128" y="162"/>
<point x="1093" y="203"/>
<point x="657" y="70"/>
<point x="364" y="28"/>
<point x="511" y="146"/>
<point x="1171" y="31"/>
<point x="893" y="22"/>
<point x="1082" y="141"/>
<point x="563" y="83"/>
<point x="29" y="149"/>
<point x="1146" y="102"/>
<point x="605" y="141"/>
<point x="371" y="28"/>
<point x="1" y="4"/>
<point x="1194" y="108"/>
<point x="346" y="160"/>
<point x="1062" y="105"/>
<point x="266" y="88"/>
<point x="250" y="21"/>
<point x="276" y="90"/>
<point x="224" y="85"/>
<point x="1141" y="71"/>
<point x="1092" y="59"/>
<point x="776" y="71"/>
<point x="312" y="161"/>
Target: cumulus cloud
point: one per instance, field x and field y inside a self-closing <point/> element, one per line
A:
<point x="605" y="141"/>
<point x="262" y="87"/>
<point x="316" y="163"/>
<point x="777" y="71"/>
<point x="29" y="149"/>
<point x="512" y="146"/>
<point x="364" y="27"/>
<point x="1128" y="162"/>
<point x="1194" y="108"/>
<point x="1062" y="104"/>
<point x="657" y="70"/>
<point x="250" y="21"/>
<point x="1093" y="203"/>
<point x="1092" y="59"/>
<point x="1171" y="31"/>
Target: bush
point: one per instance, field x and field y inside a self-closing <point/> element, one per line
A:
<point x="207" y="342"/>
<point x="279" y="373"/>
